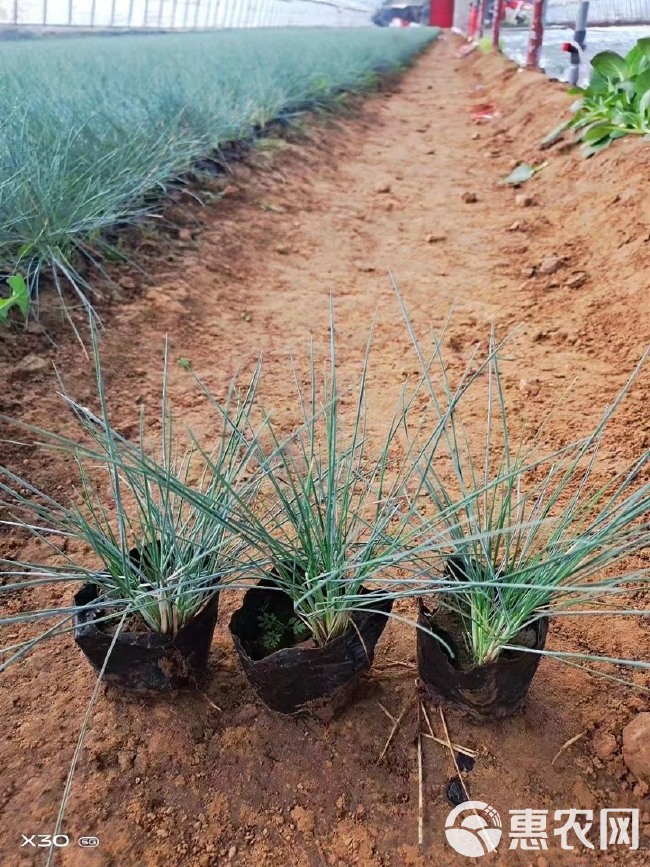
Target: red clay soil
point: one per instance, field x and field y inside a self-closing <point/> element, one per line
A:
<point x="178" y="782"/>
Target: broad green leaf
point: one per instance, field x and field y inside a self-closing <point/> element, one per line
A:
<point x="625" y="119"/>
<point x="610" y="65"/>
<point x="19" y="298"/>
<point x="597" y="132"/>
<point x="598" y="83"/>
<point x="582" y="121"/>
<point x="588" y="150"/>
<point x="642" y="83"/>
<point x="644" y="105"/>
<point x="638" y="58"/>
<point x="628" y="88"/>
<point x="20" y="292"/>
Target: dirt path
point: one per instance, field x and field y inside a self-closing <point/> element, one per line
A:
<point x="175" y="783"/>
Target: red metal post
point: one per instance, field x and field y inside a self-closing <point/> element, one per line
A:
<point x="536" y="36"/>
<point x="482" y="16"/>
<point x="472" y="26"/>
<point x="442" y="13"/>
<point x="496" y="24"/>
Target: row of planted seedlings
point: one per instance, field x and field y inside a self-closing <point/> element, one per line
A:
<point x="324" y="531"/>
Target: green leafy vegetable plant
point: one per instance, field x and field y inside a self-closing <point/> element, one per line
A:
<point x="615" y="103"/>
<point x="18" y="297"/>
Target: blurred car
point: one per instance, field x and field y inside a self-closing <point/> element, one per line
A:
<point x="405" y="13"/>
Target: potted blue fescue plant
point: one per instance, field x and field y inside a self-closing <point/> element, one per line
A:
<point x="151" y="566"/>
<point x="532" y="534"/>
<point x="319" y="517"/>
<point x="332" y="516"/>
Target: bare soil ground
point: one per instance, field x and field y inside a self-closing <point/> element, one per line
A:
<point x="176" y="782"/>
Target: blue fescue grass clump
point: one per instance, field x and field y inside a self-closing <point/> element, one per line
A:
<point x="88" y="126"/>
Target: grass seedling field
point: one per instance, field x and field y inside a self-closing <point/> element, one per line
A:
<point x="89" y="127"/>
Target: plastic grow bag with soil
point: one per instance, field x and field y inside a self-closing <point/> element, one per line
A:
<point x="299" y="677"/>
<point x="491" y="691"/>
<point x="142" y="660"/>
